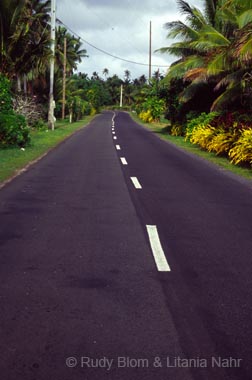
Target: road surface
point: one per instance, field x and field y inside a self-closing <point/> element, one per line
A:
<point x="122" y="257"/>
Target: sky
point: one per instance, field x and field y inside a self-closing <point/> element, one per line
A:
<point x="121" y="28"/>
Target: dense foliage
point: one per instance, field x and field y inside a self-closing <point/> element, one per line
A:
<point x="5" y="94"/>
<point x="13" y="130"/>
<point x="206" y="94"/>
<point x="212" y="72"/>
<point x="13" y="127"/>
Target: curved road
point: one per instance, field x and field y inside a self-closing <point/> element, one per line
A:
<point x="122" y="257"/>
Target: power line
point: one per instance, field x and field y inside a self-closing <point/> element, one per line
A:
<point x="105" y="52"/>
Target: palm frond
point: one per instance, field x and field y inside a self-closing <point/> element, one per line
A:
<point x="210" y="11"/>
<point x="231" y="79"/>
<point x="180" y="29"/>
<point x="218" y="64"/>
<point x="181" y="68"/>
<point x="243" y="45"/>
<point x="245" y="18"/>
<point x="196" y="75"/>
<point x="179" y="49"/>
<point x="190" y="91"/>
<point x="194" y="17"/>
<point x="231" y="95"/>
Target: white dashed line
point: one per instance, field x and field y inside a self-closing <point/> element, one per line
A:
<point x="113" y="119"/>
<point x="115" y="138"/>
<point x="136" y="182"/>
<point x="113" y="133"/>
<point x="157" y="250"/>
<point x="123" y="160"/>
<point x="118" y="147"/>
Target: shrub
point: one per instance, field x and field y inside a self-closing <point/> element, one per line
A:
<point x="146" y="116"/>
<point x="78" y="108"/>
<point x="177" y="130"/>
<point x="40" y="125"/>
<point x="5" y="94"/>
<point x="242" y="150"/>
<point x="203" y="135"/>
<point x="29" y="108"/>
<point x="13" y="130"/>
<point x="203" y="119"/>
<point x="151" y="109"/>
<point x="223" y="141"/>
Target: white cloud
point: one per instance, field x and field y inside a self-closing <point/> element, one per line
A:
<point x="122" y="29"/>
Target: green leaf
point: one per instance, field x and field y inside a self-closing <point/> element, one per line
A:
<point x="245" y="18"/>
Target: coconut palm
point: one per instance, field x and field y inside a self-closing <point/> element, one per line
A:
<point x="214" y="48"/>
<point x="10" y="14"/>
<point x="105" y="72"/>
<point x="127" y="75"/>
<point x="24" y="36"/>
<point x="74" y="53"/>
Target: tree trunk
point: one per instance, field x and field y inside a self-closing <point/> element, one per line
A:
<point x="19" y="83"/>
<point x="25" y="84"/>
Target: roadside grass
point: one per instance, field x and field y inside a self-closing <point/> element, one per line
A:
<point x="14" y="159"/>
<point x="161" y="130"/>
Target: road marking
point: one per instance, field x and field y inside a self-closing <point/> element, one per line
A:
<point x="123" y="159"/>
<point x="113" y="133"/>
<point x="157" y="250"/>
<point x="118" y="147"/>
<point x="136" y="182"/>
<point x="115" y="138"/>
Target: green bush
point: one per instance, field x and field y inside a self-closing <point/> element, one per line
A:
<point x="40" y="125"/>
<point x="13" y="130"/>
<point x="5" y="94"/>
<point x="204" y="119"/>
<point x="152" y="109"/>
<point x="78" y="107"/>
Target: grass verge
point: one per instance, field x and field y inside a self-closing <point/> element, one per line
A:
<point x="14" y="159"/>
<point x="223" y="162"/>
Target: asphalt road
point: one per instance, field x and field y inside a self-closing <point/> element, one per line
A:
<point x="80" y="277"/>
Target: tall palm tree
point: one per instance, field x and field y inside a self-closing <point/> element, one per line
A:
<point x="95" y="76"/>
<point x="24" y="35"/>
<point x="74" y="53"/>
<point x="214" y="48"/>
<point x="105" y="72"/>
<point x="127" y="75"/>
<point x="10" y="14"/>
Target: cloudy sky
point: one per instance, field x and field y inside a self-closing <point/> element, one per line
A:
<point x="121" y="27"/>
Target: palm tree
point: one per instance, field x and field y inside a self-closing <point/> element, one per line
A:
<point x="113" y="85"/>
<point x="10" y="13"/>
<point x="24" y="36"/>
<point x="95" y="76"/>
<point x="127" y="75"/>
<point x="214" y="49"/>
<point x="105" y="72"/>
<point x="74" y="53"/>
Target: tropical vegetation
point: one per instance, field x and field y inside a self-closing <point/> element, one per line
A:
<point x="212" y="75"/>
<point x="206" y="94"/>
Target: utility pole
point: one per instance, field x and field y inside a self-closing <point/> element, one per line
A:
<point x="150" y="52"/>
<point x="64" y="81"/>
<point x="51" y="120"/>
<point x="121" y="96"/>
